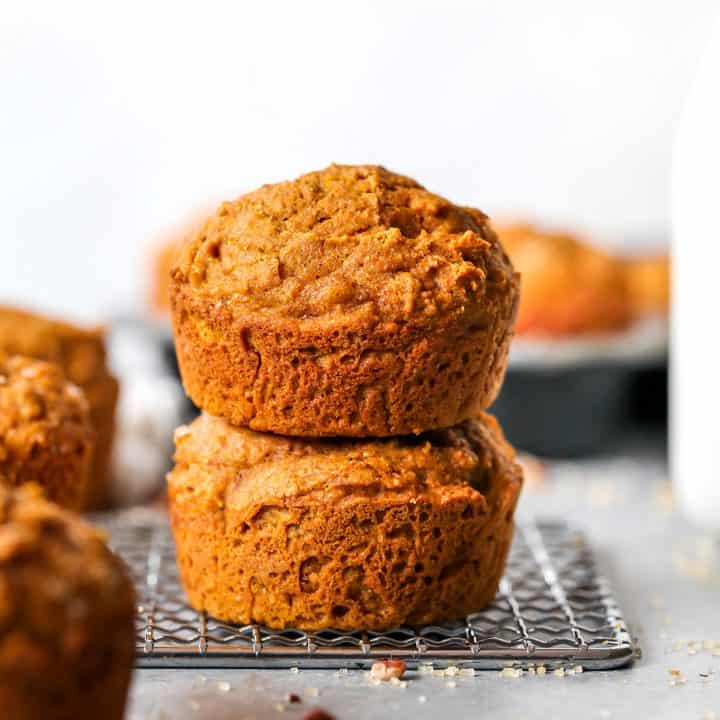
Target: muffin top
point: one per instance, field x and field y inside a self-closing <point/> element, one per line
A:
<point x="469" y="458"/>
<point x="79" y="351"/>
<point x="39" y="411"/>
<point x="342" y="241"/>
<point x="60" y="585"/>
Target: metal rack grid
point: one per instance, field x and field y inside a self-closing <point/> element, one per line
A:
<point x="552" y="608"/>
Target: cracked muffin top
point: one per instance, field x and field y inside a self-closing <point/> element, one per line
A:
<point x="346" y="240"/>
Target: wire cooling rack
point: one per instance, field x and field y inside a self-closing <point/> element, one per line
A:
<point x="552" y="608"/>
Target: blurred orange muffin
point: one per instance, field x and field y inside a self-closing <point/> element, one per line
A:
<point x="163" y="261"/>
<point x="66" y="615"/>
<point x="81" y="355"/>
<point x="350" y="301"/>
<point x="164" y="255"/>
<point x="648" y="280"/>
<point x="568" y="287"/>
<point x="342" y="533"/>
<point x="46" y="435"/>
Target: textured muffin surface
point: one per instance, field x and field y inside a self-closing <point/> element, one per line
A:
<point x="323" y="306"/>
<point x="344" y="239"/>
<point x="81" y="355"/>
<point x="568" y="286"/>
<point x="344" y="534"/>
<point x="46" y="435"/>
<point x="66" y="615"/>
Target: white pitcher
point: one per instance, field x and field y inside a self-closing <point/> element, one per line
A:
<point x="695" y="370"/>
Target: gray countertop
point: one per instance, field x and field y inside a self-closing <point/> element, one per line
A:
<point x="666" y="577"/>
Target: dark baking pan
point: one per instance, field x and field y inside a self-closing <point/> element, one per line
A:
<point x="581" y="397"/>
<point x="564" y="412"/>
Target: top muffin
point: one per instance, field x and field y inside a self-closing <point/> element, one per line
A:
<point x="307" y="307"/>
<point x="344" y="240"/>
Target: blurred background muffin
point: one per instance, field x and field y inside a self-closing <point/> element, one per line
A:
<point x="568" y="286"/>
<point x="66" y="615"/>
<point x="81" y="354"/>
<point x="46" y="435"/>
<point x="588" y="367"/>
<point x="648" y="282"/>
<point x="162" y="256"/>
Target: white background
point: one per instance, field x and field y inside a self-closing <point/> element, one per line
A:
<point x="117" y="124"/>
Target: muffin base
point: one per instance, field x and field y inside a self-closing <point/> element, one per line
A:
<point x="265" y="545"/>
<point x="352" y="377"/>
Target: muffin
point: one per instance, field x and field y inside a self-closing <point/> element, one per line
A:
<point x="46" y="436"/>
<point x="165" y="254"/>
<point x="66" y="615"/>
<point x="163" y="262"/>
<point x="81" y="355"/>
<point x="348" y="302"/>
<point x="568" y="287"/>
<point x="348" y="534"/>
<point x="648" y="279"/>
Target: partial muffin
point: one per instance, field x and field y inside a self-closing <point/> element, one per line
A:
<point x="46" y="436"/>
<point x="344" y="534"/>
<point x="648" y="279"/>
<point x="81" y="355"/>
<point x="66" y="615"/>
<point x="350" y="302"/>
<point x="568" y="287"/>
<point x="164" y="258"/>
<point x="163" y="262"/>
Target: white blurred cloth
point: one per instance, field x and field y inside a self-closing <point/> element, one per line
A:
<point x="151" y="406"/>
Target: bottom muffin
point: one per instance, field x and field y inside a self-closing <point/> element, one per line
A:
<point x="66" y="615"/>
<point x="342" y="534"/>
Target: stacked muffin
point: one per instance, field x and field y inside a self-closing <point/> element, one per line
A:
<point x="343" y="334"/>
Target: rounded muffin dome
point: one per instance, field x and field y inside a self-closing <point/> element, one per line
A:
<point x="346" y="239"/>
<point x="350" y="301"/>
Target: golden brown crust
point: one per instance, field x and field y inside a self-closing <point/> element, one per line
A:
<point x="350" y="302"/>
<point x="46" y="436"/>
<point x="345" y="534"/>
<point x="66" y="615"/>
<point x="81" y="355"/>
<point x="568" y="287"/>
